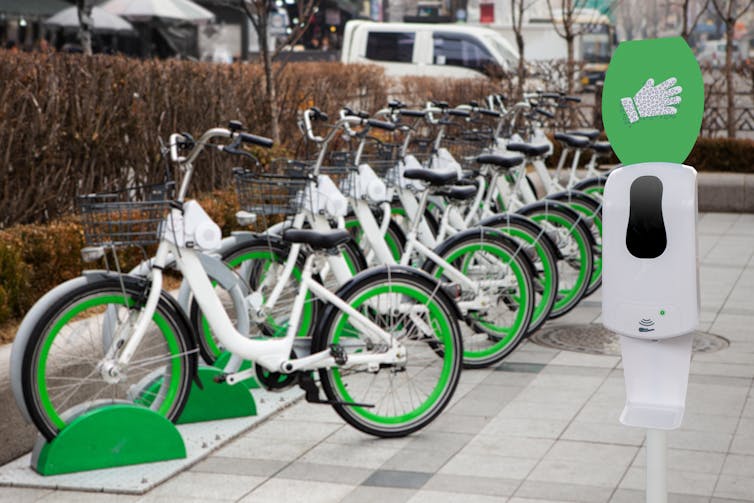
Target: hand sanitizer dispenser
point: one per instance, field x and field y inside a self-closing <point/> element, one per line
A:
<point x="650" y="285"/>
<point x="652" y="108"/>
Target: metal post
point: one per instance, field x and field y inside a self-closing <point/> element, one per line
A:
<point x="657" y="488"/>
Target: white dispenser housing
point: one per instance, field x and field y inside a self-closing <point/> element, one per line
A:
<point x="650" y="285"/>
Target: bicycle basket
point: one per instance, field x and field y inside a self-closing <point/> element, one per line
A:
<point x="127" y="217"/>
<point x="276" y="193"/>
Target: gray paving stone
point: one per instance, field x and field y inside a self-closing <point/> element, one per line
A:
<point x="439" y="441"/>
<point x="468" y="484"/>
<point x="458" y="423"/>
<point x="523" y="427"/>
<point x="637" y="496"/>
<point x="680" y="482"/>
<point x="568" y="471"/>
<point x="684" y="460"/>
<point x="279" y="489"/>
<point x="743" y="443"/>
<point x="239" y="466"/>
<point x="563" y="492"/>
<point x="425" y="496"/>
<point x="576" y="370"/>
<point x="710" y="441"/>
<point x="521" y="408"/>
<point x="735" y="487"/>
<point x="418" y="460"/>
<point x="208" y="486"/>
<point x="337" y="454"/>
<point x="614" y="433"/>
<point x="485" y="400"/>
<point x="397" y="478"/>
<point x="22" y="495"/>
<point x="367" y="494"/>
<point x="489" y="465"/>
<point x="516" y="447"/>
<point x="514" y="366"/>
<point x="79" y="497"/>
<point x="320" y="472"/>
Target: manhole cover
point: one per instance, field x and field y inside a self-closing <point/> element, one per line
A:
<point x="595" y="339"/>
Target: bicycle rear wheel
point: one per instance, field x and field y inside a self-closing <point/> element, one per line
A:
<point x="64" y="371"/>
<point x="405" y="397"/>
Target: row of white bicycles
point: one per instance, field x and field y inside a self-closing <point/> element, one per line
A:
<point x="412" y="245"/>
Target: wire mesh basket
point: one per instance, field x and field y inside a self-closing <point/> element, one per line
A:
<point x="127" y="217"/>
<point x="279" y="192"/>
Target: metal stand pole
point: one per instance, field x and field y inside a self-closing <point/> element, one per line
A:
<point x="657" y="488"/>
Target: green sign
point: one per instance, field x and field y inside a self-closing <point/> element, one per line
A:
<point x="653" y="101"/>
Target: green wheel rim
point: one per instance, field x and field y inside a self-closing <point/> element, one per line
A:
<point x="545" y="279"/>
<point x="170" y="338"/>
<point x="507" y="334"/>
<point x="444" y="335"/>
<point x="566" y="295"/>
<point x="597" y="263"/>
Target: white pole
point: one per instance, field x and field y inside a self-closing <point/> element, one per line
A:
<point x="657" y="489"/>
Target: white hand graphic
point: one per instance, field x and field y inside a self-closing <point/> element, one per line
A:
<point x="653" y="101"/>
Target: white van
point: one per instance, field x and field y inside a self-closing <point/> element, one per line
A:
<point x="431" y="49"/>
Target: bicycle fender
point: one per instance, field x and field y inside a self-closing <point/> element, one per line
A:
<point x="547" y="204"/>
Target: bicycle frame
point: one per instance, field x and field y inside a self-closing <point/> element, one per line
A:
<point x="273" y="353"/>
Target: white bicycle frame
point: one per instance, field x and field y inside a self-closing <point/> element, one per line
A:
<point x="273" y="353"/>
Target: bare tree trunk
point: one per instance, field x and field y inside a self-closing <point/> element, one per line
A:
<point x="521" y="68"/>
<point x="85" y="25"/>
<point x="730" y="85"/>
<point x="269" y="81"/>
<point x="570" y="64"/>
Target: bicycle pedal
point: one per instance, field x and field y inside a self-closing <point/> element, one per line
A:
<point x="338" y="354"/>
<point x="220" y="378"/>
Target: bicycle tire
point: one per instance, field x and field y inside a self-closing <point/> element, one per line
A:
<point x="575" y="250"/>
<point x="544" y="255"/>
<point x="57" y="350"/>
<point x="591" y="208"/>
<point x="433" y="358"/>
<point x="485" y="254"/>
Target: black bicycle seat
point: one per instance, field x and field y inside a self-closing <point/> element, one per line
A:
<point x="431" y="176"/>
<point x="316" y="239"/>
<point x="528" y="149"/>
<point x="504" y="161"/>
<point x="573" y="140"/>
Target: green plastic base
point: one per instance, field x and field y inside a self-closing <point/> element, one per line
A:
<point x="114" y="435"/>
<point x="222" y="361"/>
<point x="216" y="400"/>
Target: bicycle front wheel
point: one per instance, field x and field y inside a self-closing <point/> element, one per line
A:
<point x="393" y="399"/>
<point x="65" y="371"/>
<point x="499" y="308"/>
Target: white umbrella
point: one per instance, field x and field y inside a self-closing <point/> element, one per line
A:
<point x="173" y="10"/>
<point x="101" y="20"/>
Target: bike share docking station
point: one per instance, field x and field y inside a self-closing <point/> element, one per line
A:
<point x="652" y="107"/>
<point x="106" y="435"/>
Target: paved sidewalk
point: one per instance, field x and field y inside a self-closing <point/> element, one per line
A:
<point x="541" y="427"/>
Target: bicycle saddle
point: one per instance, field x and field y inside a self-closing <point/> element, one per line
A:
<point x="316" y="239"/>
<point x="528" y="149"/>
<point x="504" y="161"/>
<point x="431" y="176"/>
<point x="602" y="147"/>
<point x="573" y="140"/>
<point x="459" y="193"/>
<point x="592" y="134"/>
